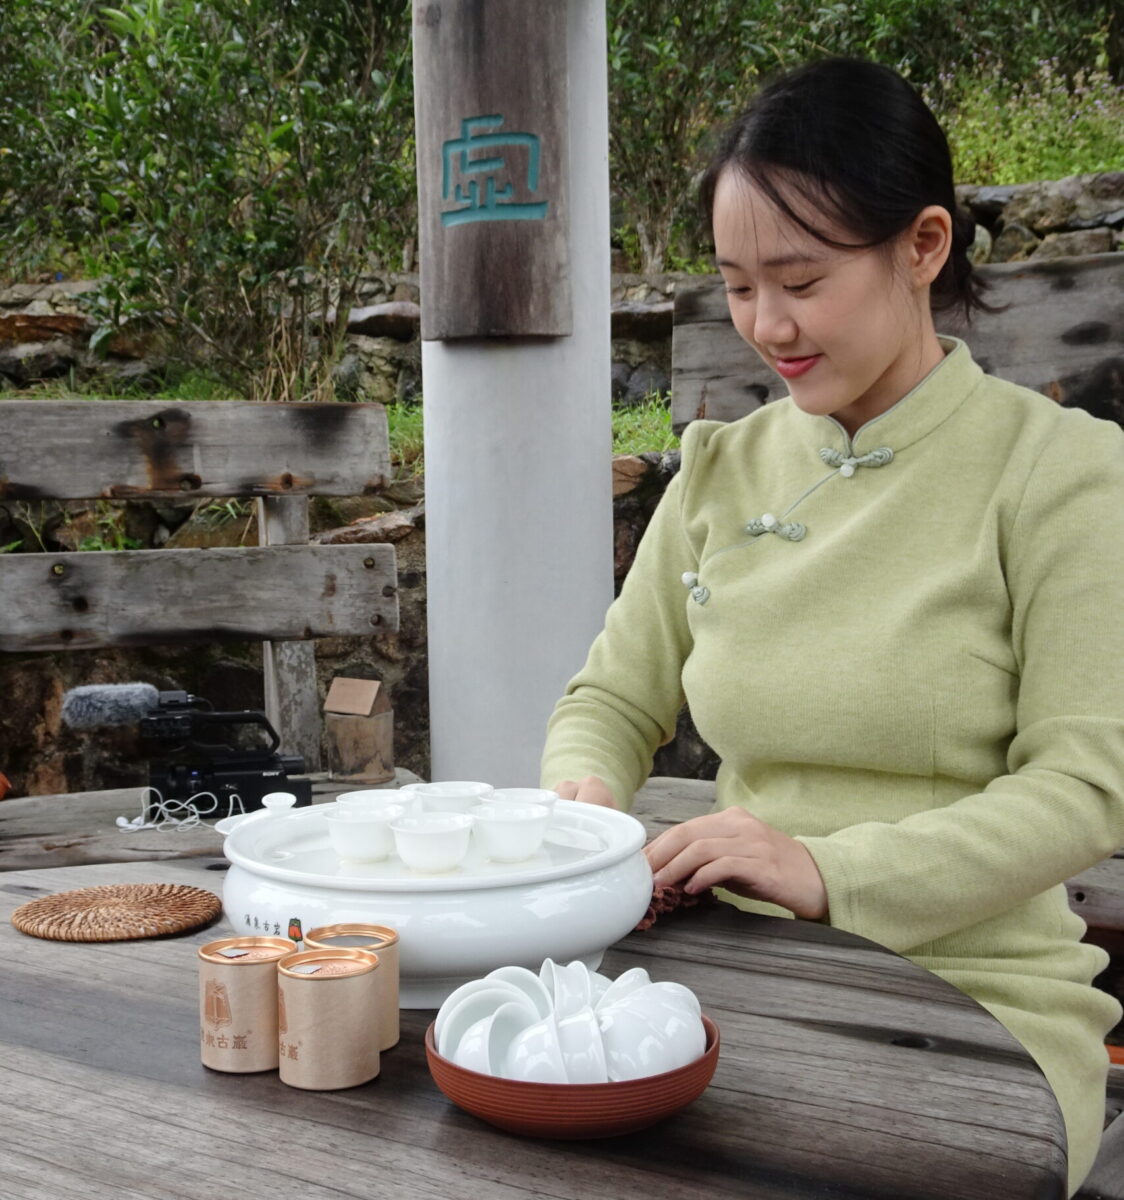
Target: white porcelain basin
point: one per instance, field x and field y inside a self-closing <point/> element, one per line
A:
<point x="585" y="889"/>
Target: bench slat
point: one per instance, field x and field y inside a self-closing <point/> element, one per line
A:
<point x="125" y="449"/>
<point x="1061" y="334"/>
<point x="150" y="597"/>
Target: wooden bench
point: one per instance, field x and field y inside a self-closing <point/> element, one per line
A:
<point x="283" y="592"/>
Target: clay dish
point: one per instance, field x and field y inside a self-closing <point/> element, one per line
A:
<point x="574" y="1110"/>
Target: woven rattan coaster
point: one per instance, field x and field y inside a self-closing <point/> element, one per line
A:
<point x="117" y="911"/>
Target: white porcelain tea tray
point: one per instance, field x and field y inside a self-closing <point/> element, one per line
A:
<point x="294" y="847"/>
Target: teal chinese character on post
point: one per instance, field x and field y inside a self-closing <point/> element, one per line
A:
<point x="486" y="198"/>
<point x="491" y="88"/>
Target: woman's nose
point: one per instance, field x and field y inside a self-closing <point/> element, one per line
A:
<point x="772" y="323"/>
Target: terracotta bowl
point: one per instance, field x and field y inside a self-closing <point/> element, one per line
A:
<point x="574" y="1110"/>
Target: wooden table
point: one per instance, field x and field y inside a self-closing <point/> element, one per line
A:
<point x="845" y="1072"/>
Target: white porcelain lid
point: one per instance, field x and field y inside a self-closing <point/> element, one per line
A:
<point x="294" y="847"/>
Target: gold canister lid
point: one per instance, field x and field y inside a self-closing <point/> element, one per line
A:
<point x="378" y="936"/>
<point x="275" y="948"/>
<point x="363" y="960"/>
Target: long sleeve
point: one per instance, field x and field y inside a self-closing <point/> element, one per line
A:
<point x="1060" y="806"/>
<point x="623" y="703"/>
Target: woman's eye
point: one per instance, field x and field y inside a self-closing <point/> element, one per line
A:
<point x="797" y="288"/>
<point x="738" y="291"/>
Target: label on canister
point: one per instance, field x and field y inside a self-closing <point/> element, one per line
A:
<point x="238" y="1003"/>
<point x="328" y="1018"/>
<point x="380" y="940"/>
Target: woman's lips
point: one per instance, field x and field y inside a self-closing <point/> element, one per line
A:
<point x="791" y="367"/>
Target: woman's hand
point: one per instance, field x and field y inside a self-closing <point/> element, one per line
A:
<point x="590" y="790"/>
<point x="732" y="848"/>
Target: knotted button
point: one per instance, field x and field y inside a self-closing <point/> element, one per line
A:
<point x="690" y="579"/>
<point x="791" y="531"/>
<point x="848" y="462"/>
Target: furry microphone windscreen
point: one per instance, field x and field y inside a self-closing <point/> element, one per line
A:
<point x="108" y="704"/>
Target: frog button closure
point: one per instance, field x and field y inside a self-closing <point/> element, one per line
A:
<point x="848" y="462"/>
<point x="791" y="531"/>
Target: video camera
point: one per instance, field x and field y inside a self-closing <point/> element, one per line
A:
<point x="194" y="756"/>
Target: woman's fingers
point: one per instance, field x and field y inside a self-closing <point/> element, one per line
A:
<point x="731" y="822"/>
<point x="590" y="790"/>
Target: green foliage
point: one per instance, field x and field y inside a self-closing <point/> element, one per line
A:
<point x="232" y="164"/>
<point x="404" y="426"/>
<point x="644" y="427"/>
<point x="1043" y="128"/>
<point x="11" y="546"/>
<point x="679" y="70"/>
<point x="109" y="525"/>
<point x="676" y="68"/>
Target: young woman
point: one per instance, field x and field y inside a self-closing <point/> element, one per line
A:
<point x="892" y="599"/>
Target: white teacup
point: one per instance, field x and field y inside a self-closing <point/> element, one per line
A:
<point x="361" y="835"/>
<point x="535" y="1054"/>
<point x="525" y="796"/>
<point x="457" y="795"/>
<point x="509" y="832"/>
<point x="432" y="842"/>
<point x="370" y="800"/>
<point x="485" y="1044"/>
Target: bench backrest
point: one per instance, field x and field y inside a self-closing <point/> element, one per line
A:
<point x="283" y="592"/>
<point x="1061" y="333"/>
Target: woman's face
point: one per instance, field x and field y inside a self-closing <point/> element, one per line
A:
<point x="848" y="330"/>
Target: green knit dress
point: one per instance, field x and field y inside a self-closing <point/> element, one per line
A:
<point x="907" y="650"/>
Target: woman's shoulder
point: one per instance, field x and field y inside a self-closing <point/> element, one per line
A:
<point x="706" y="438"/>
<point x="1041" y="419"/>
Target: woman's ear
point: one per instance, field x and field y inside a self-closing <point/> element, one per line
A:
<point x="928" y="244"/>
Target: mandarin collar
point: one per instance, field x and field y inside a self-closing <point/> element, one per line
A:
<point x="917" y="414"/>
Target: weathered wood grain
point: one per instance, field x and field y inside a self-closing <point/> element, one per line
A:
<point x="1106" y="1180"/>
<point x="845" y="1072"/>
<point x="128" y="449"/>
<point x="490" y="88"/>
<point x="148" y="597"/>
<point x="1062" y="334"/>
<point x="42" y="832"/>
<point x="292" y="701"/>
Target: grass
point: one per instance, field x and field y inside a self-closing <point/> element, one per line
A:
<point x="644" y="427"/>
<point x="637" y="429"/>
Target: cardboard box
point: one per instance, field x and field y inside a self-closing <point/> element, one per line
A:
<point x="359" y="729"/>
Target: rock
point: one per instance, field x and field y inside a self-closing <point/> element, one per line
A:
<point x="645" y="379"/>
<point x="1044" y="207"/>
<point x="986" y="203"/>
<point x="1014" y="244"/>
<point x="618" y="379"/>
<point x="1077" y="202"/>
<point x="398" y="319"/>
<point x="1079" y="241"/>
<point x="388" y="527"/>
<point x="628" y="473"/>
<point x="643" y="322"/>
<point x="213" y="524"/>
<point x="28" y="362"/>
<point x="330" y="512"/>
<point x="32" y="327"/>
<point x="980" y="250"/>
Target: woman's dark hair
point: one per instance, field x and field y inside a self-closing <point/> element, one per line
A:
<point x="862" y="142"/>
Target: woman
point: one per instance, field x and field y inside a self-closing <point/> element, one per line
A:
<point x="892" y="599"/>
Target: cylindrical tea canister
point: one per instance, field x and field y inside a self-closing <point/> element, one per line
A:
<point x="380" y="940"/>
<point x="238" y="1002"/>
<point x="327" y="1018"/>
